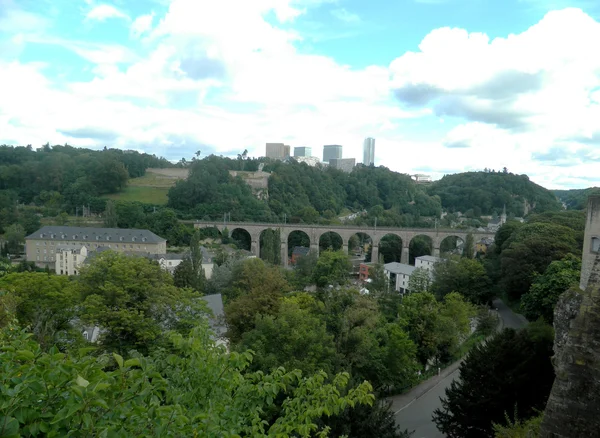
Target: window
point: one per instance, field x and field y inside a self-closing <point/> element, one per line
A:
<point x="85" y="335"/>
<point x="37" y="258"/>
<point x="595" y="244"/>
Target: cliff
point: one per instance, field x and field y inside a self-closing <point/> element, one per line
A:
<point x="573" y="408"/>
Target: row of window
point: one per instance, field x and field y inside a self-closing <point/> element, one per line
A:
<point x="76" y="237"/>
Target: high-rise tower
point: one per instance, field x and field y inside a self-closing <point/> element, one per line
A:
<point x="331" y="151"/>
<point x="369" y="151"/>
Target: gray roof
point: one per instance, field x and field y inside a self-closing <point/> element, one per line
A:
<point x="429" y="258"/>
<point x="215" y="303"/>
<point x="300" y="250"/>
<point x="92" y="234"/>
<point x="75" y="249"/>
<point x="399" y="268"/>
<point x="168" y="256"/>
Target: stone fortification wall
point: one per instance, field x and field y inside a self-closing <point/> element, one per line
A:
<point x="592" y="232"/>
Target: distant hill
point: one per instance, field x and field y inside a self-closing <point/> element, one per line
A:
<point x="576" y="199"/>
<point x="486" y="193"/>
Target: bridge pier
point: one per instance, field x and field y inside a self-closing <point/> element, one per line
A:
<point x="405" y="257"/>
<point x="284" y="253"/>
<point x="314" y="248"/>
<point x="375" y="253"/>
<point x="255" y="247"/>
<point x="345" y="248"/>
<point x="436" y="252"/>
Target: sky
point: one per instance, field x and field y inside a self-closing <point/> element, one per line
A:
<point x="444" y="86"/>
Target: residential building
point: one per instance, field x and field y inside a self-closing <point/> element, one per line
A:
<point x="343" y="164"/>
<point x="277" y="151"/>
<point x="331" y="151"/>
<point x="399" y="275"/>
<point x="168" y="261"/>
<point x="363" y="270"/>
<point x="421" y="178"/>
<point x="426" y="262"/>
<point x="297" y="252"/>
<point x="302" y="151"/>
<point x="483" y="245"/>
<point x="41" y="246"/>
<point x="311" y="161"/>
<point x="369" y="152"/>
<point x="69" y="259"/>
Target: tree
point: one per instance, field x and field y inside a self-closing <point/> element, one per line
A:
<point x="463" y="275"/>
<point x="134" y="302"/>
<point x="293" y="338"/>
<point x="45" y="303"/>
<point x="546" y="288"/>
<point x="15" y="238"/>
<point x="512" y="369"/>
<point x="189" y="388"/>
<point x="111" y="219"/>
<point x="185" y="276"/>
<point x="469" y="248"/>
<point x="419" y="280"/>
<point x="333" y="268"/>
<point x="419" y="315"/>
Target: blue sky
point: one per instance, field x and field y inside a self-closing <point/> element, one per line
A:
<point x="443" y="85"/>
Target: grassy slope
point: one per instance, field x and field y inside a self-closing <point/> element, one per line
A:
<point x="151" y="188"/>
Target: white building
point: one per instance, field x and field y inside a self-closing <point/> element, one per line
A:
<point x="399" y="274"/>
<point x="69" y="259"/>
<point x="426" y="262"/>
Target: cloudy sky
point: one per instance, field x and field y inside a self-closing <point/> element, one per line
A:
<point x="443" y="85"/>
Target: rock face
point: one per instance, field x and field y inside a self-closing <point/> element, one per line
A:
<point x="573" y="408"/>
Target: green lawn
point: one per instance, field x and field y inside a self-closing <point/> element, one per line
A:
<point x="147" y="195"/>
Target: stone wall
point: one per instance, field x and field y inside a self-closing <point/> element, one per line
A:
<point x="592" y="230"/>
<point x="258" y="181"/>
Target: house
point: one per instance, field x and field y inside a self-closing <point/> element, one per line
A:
<point x="426" y="262"/>
<point x="483" y="245"/>
<point x="297" y="252"/>
<point x="363" y="271"/>
<point x="399" y="275"/>
<point x="40" y="247"/>
<point x="168" y="261"/>
<point x="69" y="259"/>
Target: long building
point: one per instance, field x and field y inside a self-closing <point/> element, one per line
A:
<point x="369" y="152"/>
<point x="343" y="164"/>
<point x="302" y="151"/>
<point x="49" y="242"/>
<point x="331" y="151"/>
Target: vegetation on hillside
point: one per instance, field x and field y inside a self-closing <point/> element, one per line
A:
<point x="486" y="193"/>
<point x="576" y="199"/>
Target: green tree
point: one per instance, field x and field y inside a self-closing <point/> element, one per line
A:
<point x="133" y="301"/>
<point x="419" y="315"/>
<point x="463" y="275"/>
<point x="333" y="268"/>
<point x="512" y="369"/>
<point x="111" y="219"/>
<point x="469" y="248"/>
<point x="15" y="238"/>
<point x="191" y="388"/>
<point x="45" y="303"/>
<point x="293" y="338"/>
<point x="419" y="280"/>
<point x="547" y="288"/>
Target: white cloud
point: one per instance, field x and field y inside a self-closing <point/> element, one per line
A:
<point x="103" y="12"/>
<point x="142" y="25"/>
<point x="345" y="16"/>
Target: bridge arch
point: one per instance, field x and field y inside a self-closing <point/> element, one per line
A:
<point x="297" y="238"/>
<point x="420" y="245"/>
<point x="391" y="248"/>
<point x="452" y="244"/>
<point x="330" y="240"/>
<point x="359" y="243"/>
<point x="241" y="237"/>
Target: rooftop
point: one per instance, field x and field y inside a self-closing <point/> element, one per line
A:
<point x="428" y="258"/>
<point x="399" y="268"/>
<point x="92" y="234"/>
<point x="300" y="250"/>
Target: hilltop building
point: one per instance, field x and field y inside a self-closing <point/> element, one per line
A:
<point x="311" y="161"/>
<point x="369" y="152"/>
<point x="399" y="275"/>
<point x="302" y="151"/>
<point x="421" y="178"/>
<point x="277" y="151"/>
<point x="343" y="164"/>
<point x="331" y="151"/>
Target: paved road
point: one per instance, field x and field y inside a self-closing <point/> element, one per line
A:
<point x="416" y="415"/>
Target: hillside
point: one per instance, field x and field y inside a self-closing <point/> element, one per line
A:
<point x="152" y="188"/>
<point x="486" y="193"/>
<point x="575" y="199"/>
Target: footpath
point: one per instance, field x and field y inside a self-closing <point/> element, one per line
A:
<point x="402" y="401"/>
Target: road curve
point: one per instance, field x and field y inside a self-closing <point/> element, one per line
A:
<point x="416" y="414"/>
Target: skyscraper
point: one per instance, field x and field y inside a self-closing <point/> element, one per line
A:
<point x="302" y="151"/>
<point x="369" y="151"/>
<point x="331" y="151"/>
<point x="278" y="151"/>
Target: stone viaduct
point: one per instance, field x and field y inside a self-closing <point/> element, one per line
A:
<point x="315" y="232"/>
